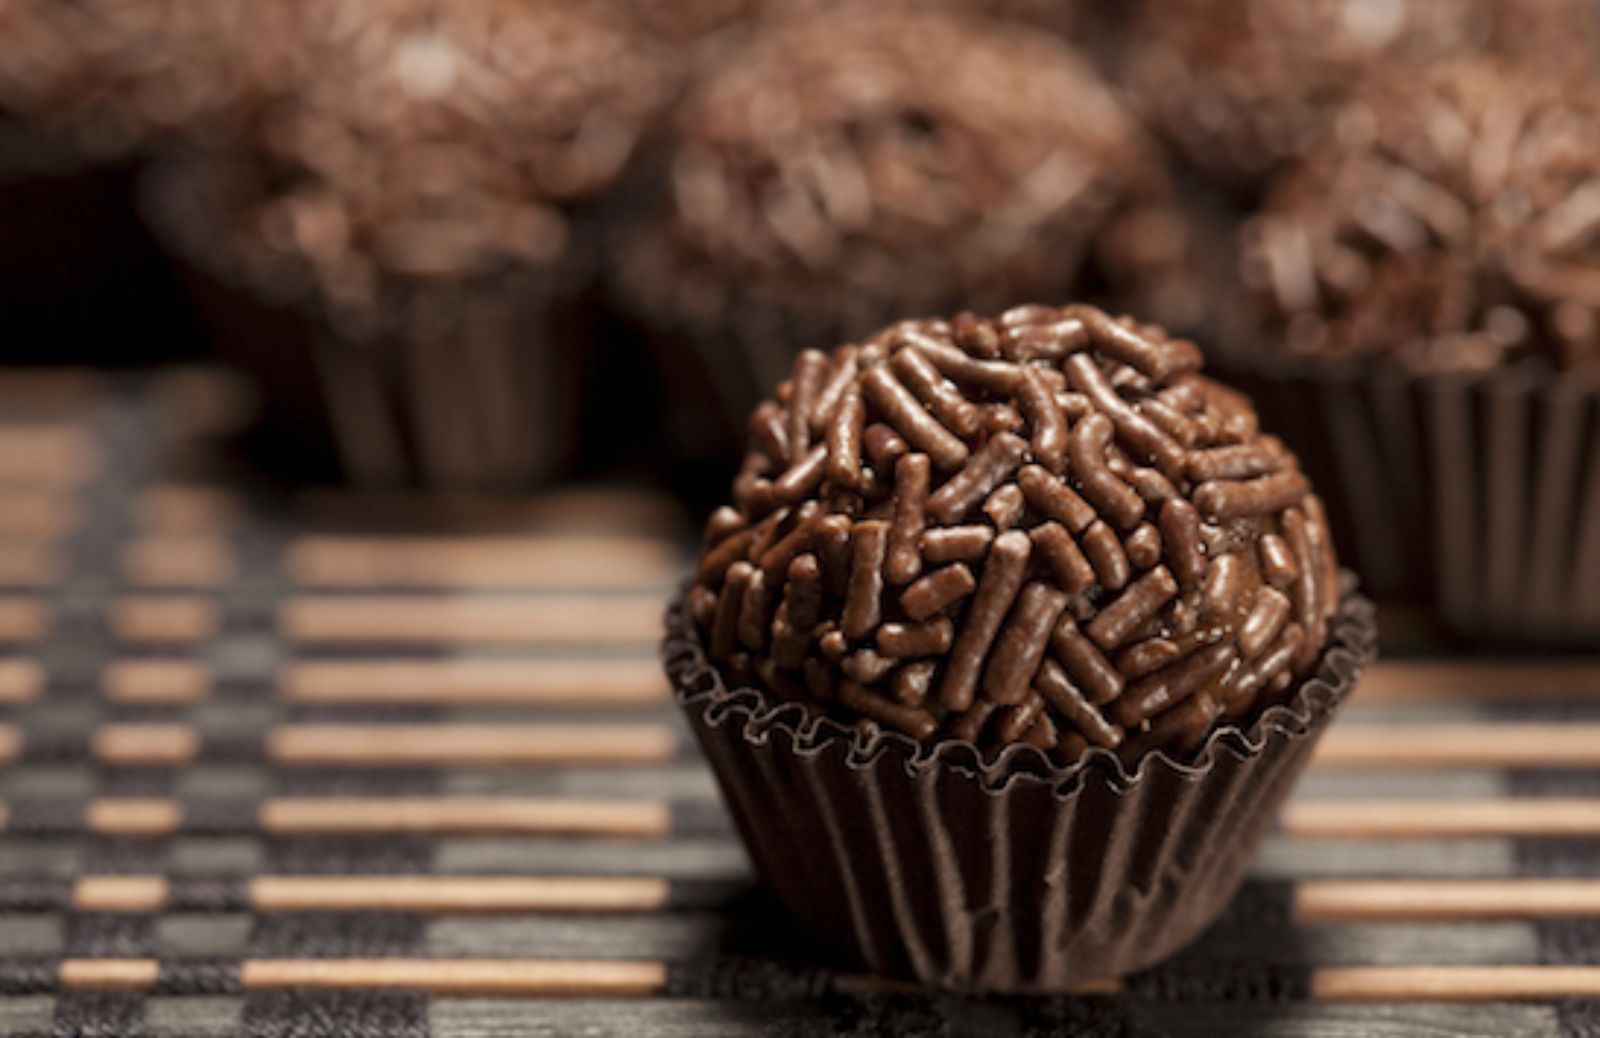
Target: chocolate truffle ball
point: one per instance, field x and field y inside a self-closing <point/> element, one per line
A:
<point x="425" y="140"/>
<point x="1450" y="222"/>
<point x="848" y="168"/>
<point x="98" y="79"/>
<point x="1239" y="86"/>
<point x="1046" y="528"/>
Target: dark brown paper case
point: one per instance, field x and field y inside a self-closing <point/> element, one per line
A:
<point x="487" y="403"/>
<point x="1012" y="875"/>
<point x="1477" y="497"/>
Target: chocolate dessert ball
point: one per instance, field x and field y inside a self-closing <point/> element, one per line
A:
<point x="1048" y="528"/>
<point x="851" y="168"/>
<point x="1239" y="86"/>
<point x="415" y="219"/>
<point x="428" y="141"/>
<point x="98" y="79"/>
<point x="1449" y="222"/>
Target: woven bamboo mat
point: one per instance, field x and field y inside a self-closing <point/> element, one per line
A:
<point x="337" y="767"/>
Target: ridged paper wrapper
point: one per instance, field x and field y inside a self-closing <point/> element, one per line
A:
<point x="1008" y="874"/>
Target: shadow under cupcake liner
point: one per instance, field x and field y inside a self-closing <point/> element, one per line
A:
<point x="478" y="392"/>
<point x="1012" y="874"/>
<point x="1475" y="496"/>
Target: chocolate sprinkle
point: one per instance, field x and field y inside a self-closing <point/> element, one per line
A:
<point x="1033" y="592"/>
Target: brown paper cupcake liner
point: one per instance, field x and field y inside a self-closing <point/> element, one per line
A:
<point x="1475" y="496"/>
<point x="1010" y="874"/>
<point x="487" y="401"/>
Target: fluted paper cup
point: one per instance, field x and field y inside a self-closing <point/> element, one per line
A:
<point x="1012" y="874"/>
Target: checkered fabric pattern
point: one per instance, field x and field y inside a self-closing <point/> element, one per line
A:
<point x="272" y="767"/>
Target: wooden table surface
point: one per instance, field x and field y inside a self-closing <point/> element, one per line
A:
<point x="337" y="766"/>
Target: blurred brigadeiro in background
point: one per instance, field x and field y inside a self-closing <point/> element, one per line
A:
<point x="399" y="243"/>
<point x="1449" y="222"/>
<point x="847" y="168"/>
<point x="1423" y="325"/>
<point x="87" y="89"/>
<point x="85" y="81"/>
<point x="1239" y="86"/>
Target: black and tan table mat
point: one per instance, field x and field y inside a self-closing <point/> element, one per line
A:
<point x="321" y="767"/>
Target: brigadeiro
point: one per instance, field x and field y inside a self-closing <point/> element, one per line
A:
<point x="1010" y="645"/>
<point x="96" y="80"/>
<point x="1427" y="324"/>
<point x="87" y="89"/>
<point x="1241" y="86"/>
<point x="849" y="168"/>
<point x="398" y="243"/>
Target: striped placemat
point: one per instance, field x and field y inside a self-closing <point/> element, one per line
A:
<point x="330" y="766"/>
